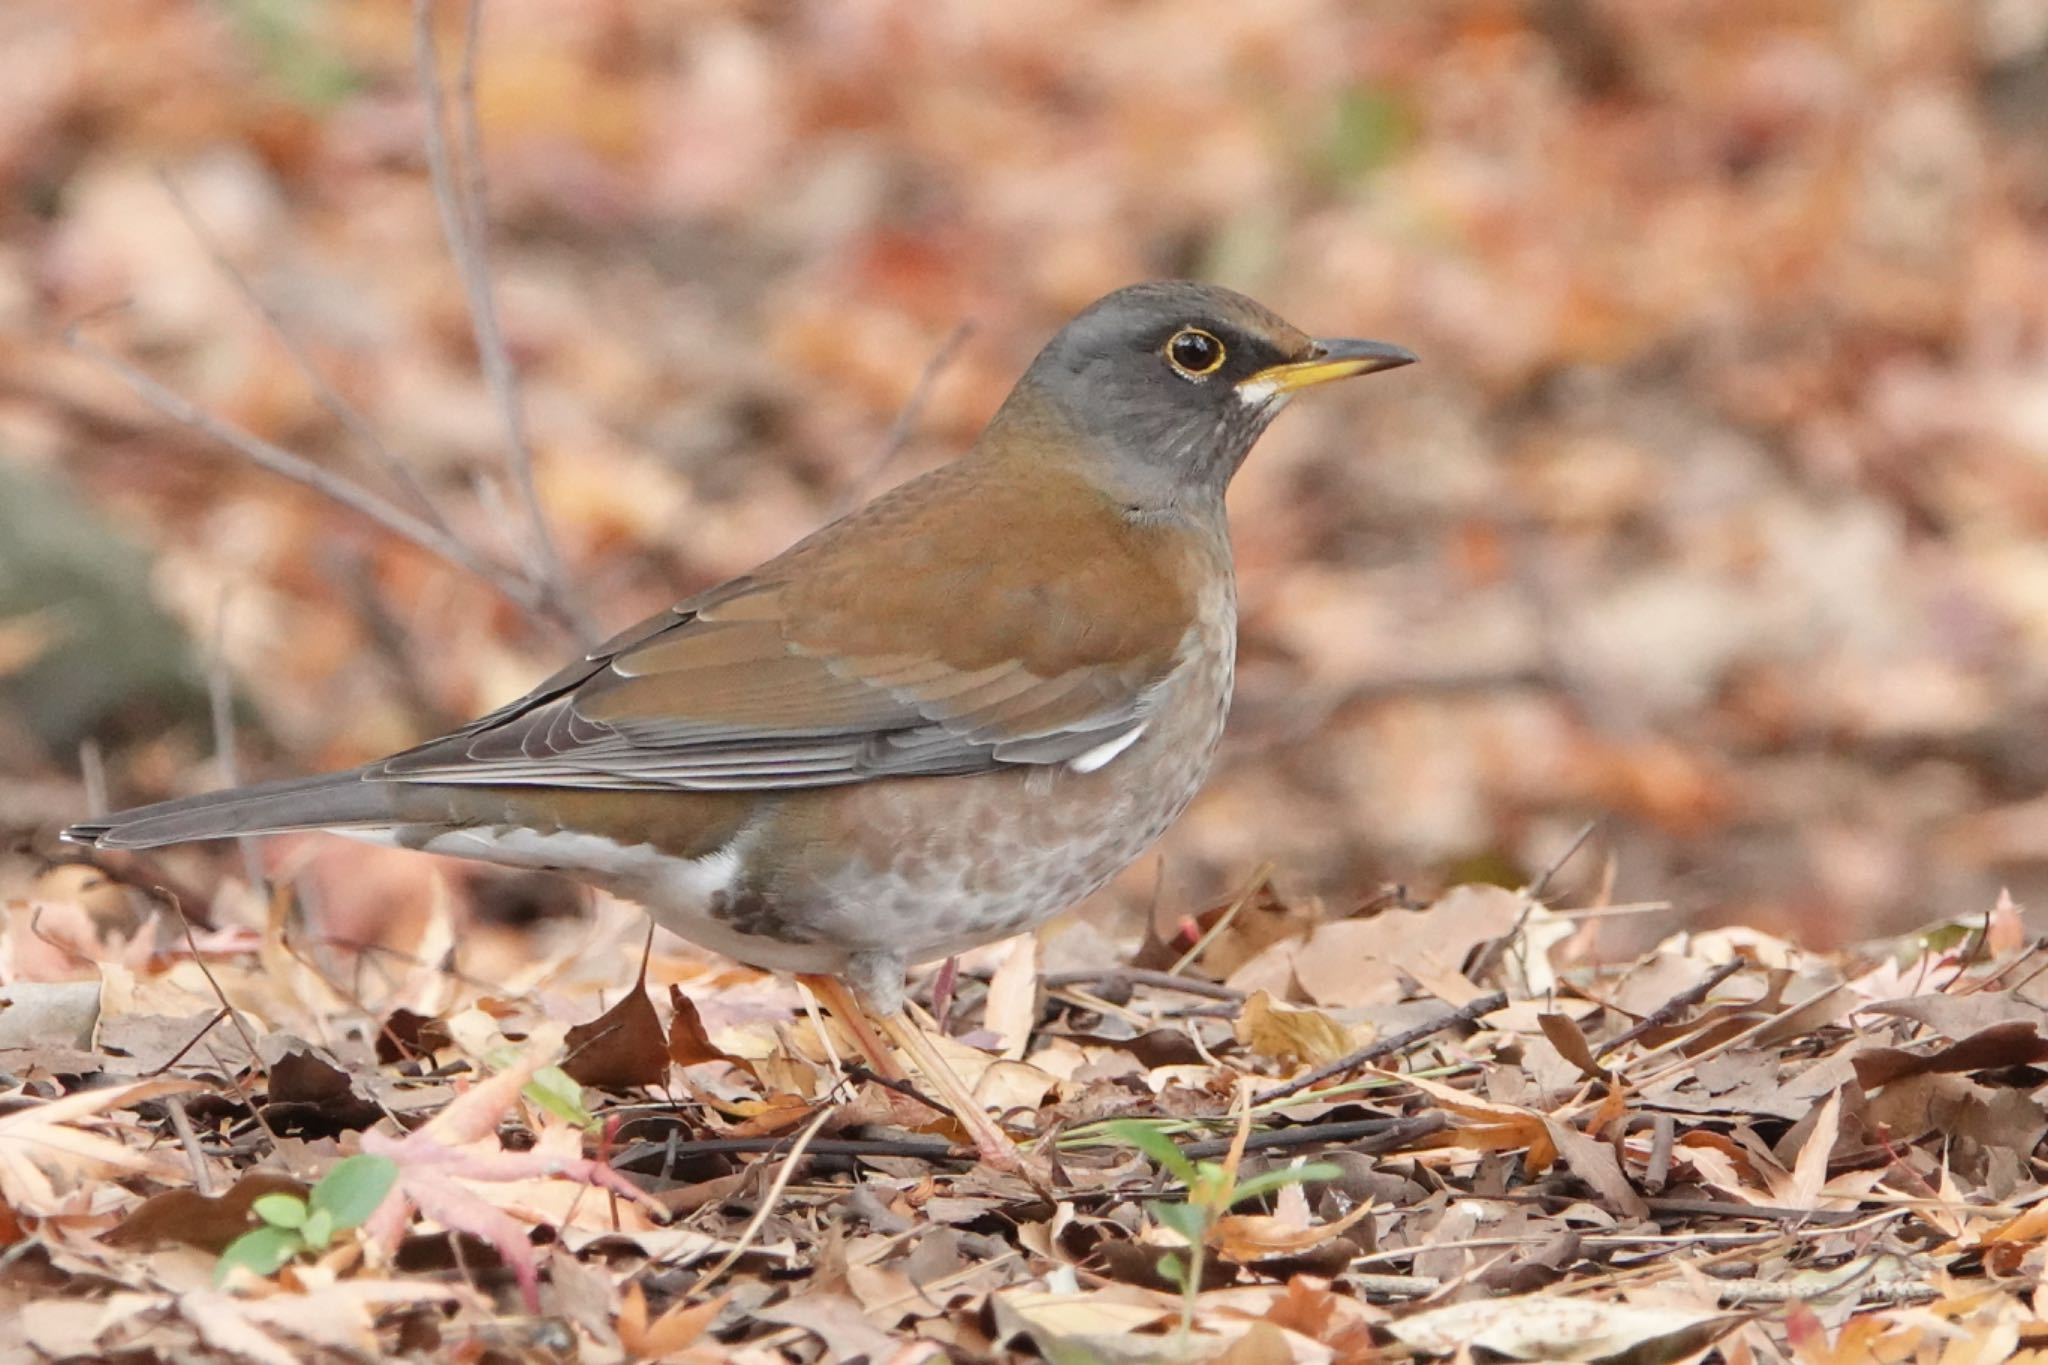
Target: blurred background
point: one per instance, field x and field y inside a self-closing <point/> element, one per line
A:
<point x="1715" y="510"/>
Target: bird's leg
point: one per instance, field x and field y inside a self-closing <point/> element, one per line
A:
<point x="877" y="983"/>
<point x="834" y="995"/>
<point x="991" y="1143"/>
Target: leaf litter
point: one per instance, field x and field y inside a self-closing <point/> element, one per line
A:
<point x="1726" y="1149"/>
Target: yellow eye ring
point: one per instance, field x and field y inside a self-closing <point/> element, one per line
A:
<point x="1194" y="352"/>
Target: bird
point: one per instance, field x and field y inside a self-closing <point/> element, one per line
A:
<point x="934" y="723"/>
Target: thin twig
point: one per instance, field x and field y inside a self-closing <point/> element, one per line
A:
<point x="181" y="1124"/>
<point x="458" y="196"/>
<point x="204" y="1029"/>
<point x="248" y="1040"/>
<point x="92" y="772"/>
<point x="1387" y="1047"/>
<point x="329" y="397"/>
<point x="906" y="416"/>
<point x="922" y="1148"/>
<point x="1258" y="882"/>
<point x="768" y="1202"/>
<point x="1735" y="1293"/>
<point x="220" y="699"/>
<point x="1671" y="1009"/>
<point x="1108" y="979"/>
<point x="277" y="460"/>
<point x="1365" y="1135"/>
<point x="1541" y="882"/>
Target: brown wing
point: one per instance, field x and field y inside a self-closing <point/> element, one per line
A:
<point x="868" y="651"/>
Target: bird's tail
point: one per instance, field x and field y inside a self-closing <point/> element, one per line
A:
<point x="338" y="800"/>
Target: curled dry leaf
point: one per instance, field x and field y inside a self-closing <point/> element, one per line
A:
<point x="48" y="1155"/>
<point x="675" y="1330"/>
<point x="1293" y="1033"/>
<point x="1555" y="1328"/>
<point x="1246" y="1237"/>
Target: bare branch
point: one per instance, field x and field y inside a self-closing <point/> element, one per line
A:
<point x="906" y="419"/>
<point x="330" y="398"/>
<point x="92" y="772"/>
<point x="220" y="697"/>
<point x="459" y="199"/>
<point x="283" y="463"/>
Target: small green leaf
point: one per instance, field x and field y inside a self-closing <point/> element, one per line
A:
<point x="1173" y="1268"/>
<point x="1251" y="1187"/>
<point x="1187" y="1220"/>
<point x="280" y="1210"/>
<point x="319" y="1229"/>
<point x="351" y="1192"/>
<point x="1156" y="1145"/>
<point x="262" y="1251"/>
<point x="555" y="1091"/>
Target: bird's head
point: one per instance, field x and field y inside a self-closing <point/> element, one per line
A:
<point x="1169" y="384"/>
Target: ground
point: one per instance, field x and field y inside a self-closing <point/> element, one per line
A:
<point x="1713" y="515"/>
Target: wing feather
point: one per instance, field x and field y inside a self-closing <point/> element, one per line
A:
<point x="829" y="667"/>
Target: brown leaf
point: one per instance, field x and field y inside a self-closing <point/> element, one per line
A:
<point x="1564" y="1035"/>
<point x="1594" y="1162"/>
<point x="1139" y="1263"/>
<point x="193" y="1219"/>
<point x="678" y="1328"/>
<point x="406" y="1034"/>
<point x="1810" y="1171"/>
<point x="1546" y="1327"/>
<point x="1356" y="962"/>
<point x="1011" y="1010"/>
<point x="1262" y="1344"/>
<point x="46" y="1154"/>
<point x="1959" y="1016"/>
<point x="688" y="1043"/>
<point x="1244" y="1237"/>
<point x="620" y="1049"/>
<point x="836" y="1320"/>
<point x="2016" y="1043"/>
<point x="309" y="1093"/>
<point x="1290" y="1033"/>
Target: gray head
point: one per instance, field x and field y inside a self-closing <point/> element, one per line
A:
<point x="1171" y="383"/>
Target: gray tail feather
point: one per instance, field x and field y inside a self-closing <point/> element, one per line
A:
<point x="336" y="800"/>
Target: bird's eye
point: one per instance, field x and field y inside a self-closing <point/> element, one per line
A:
<point x="1194" y="352"/>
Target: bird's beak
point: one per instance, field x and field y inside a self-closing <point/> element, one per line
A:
<point x="1326" y="360"/>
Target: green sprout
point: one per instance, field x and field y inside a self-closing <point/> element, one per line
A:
<point x="1213" y="1190"/>
<point x="344" y="1199"/>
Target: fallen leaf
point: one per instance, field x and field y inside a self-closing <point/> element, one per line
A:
<point x="680" y="1327"/>
<point x="622" y="1049"/>
<point x="1596" y="1163"/>
<point x="2015" y="1042"/>
<point x="1246" y="1237"/>
<point x="1810" y="1170"/>
<point x="688" y="1043"/>
<point x="1545" y="1327"/>
<point x="1293" y="1034"/>
<point x="1011" y="1012"/>
<point x="45" y="1155"/>
<point x="197" y="1220"/>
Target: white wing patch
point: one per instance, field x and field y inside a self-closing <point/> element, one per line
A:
<point x="1101" y="754"/>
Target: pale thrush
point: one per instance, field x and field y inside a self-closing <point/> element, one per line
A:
<point x="934" y="723"/>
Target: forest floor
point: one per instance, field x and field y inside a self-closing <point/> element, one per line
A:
<point x="1415" y="1132"/>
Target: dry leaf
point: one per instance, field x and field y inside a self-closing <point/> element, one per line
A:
<point x="1291" y="1033"/>
<point x="680" y="1327"/>
<point x="46" y="1157"/>
<point x="688" y="1043"/>
<point x="622" y="1049"/>
<point x="1245" y="1237"/>
<point x="1543" y="1327"/>
<point x="1011" y="1012"/>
